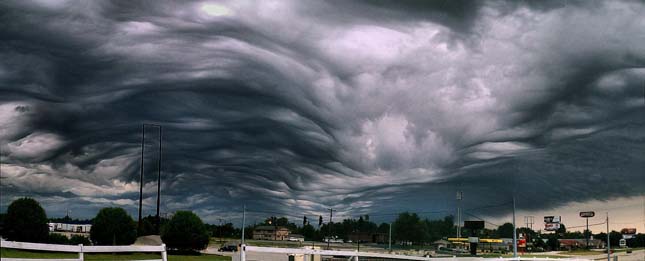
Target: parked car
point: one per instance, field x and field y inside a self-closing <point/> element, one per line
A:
<point x="228" y="248"/>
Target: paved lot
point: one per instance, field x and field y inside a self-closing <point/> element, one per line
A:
<point x="638" y="255"/>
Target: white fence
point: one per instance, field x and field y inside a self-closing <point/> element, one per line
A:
<point x="80" y="249"/>
<point x="354" y="255"/>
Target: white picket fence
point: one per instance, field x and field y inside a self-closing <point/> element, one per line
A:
<point x="354" y="255"/>
<point x="81" y="249"/>
<point x="351" y="255"/>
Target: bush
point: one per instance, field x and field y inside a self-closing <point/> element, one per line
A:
<point x="26" y="221"/>
<point x="185" y="231"/>
<point x="78" y="239"/>
<point x="148" y="226"/>
<point x="113" y="226"/>
<point x="58" y="239"/>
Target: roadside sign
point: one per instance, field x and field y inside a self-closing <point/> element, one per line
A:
<point x="628" y="231"/>
<point x="587" y="214"/>
<point x="474" y="224"/>
<point x="622" y="242"/>
<point x="551" y="226"/>
<point x="552" y="219"/>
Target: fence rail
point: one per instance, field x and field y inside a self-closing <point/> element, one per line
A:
<point x="80" y="249"/>
<point x="354" y="255"/>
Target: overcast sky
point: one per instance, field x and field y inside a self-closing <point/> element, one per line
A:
<point x="293" y="107"/>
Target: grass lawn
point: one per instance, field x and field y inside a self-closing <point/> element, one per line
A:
<point x="581" y="252"/>
<point x="5" y="252"/>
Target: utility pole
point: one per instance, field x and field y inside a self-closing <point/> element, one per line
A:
<point x="514" y="231"/>
<point x="159" y="184"/>
<point x="608" y="243"/>
<point x="220" y="230"/>
<point x="242" y="247"/>
<point x="389" y="245"/>
<point x="460" y="195"/>
<point x="529" y="221"/>
<point x="329" y="227"/>
<point x="143" y="139"/>
<point x="529" y="224"/>
<point x="243" y="222"/>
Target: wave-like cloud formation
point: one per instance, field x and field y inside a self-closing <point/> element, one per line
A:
<point x="296" y="106"/>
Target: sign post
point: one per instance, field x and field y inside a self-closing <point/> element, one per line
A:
<point x="473" y="226"/>
<point x="587" y="215"/>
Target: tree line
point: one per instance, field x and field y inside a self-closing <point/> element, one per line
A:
<point x="26" y="221"/>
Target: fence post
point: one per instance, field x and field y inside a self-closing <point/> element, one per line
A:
<point x="164" y="253"/>
<point x="80" y="252"/>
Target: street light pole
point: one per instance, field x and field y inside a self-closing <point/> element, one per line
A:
<point x="329" y="227"/>
<point x="390" y="240"/>
<point x="243" y="222"/>
<point x="459" y="197"/>
<point x="159" y="184"/>
<point x="514" y="231"/>
<point x="143" y="139"/>
<point x="608" y="243"/>
<point x="587" y="233"/>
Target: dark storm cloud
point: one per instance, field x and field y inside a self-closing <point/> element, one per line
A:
<point x="294" y="107"/>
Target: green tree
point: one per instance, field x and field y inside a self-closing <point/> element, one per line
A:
<point x="383" y="228"/>
<point x="308" y="232"/>
<point x="614" y="237"/>
<point x="185" y="231"/>
<point x="439" y="228"/>
<point x="26" y="221"/>
<point x="553" y="243"/>
<point x="637" y="241"/>
<point x="505" y="230"/>
<point x="2" y="220"/>
<point x="409" y="227"/>
<point x="113" y="226"/>
<point x="148" y="225"/>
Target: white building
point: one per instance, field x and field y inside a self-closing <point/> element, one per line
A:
<point x="64" y="227"/>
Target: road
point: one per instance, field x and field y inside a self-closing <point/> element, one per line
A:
<point x="637" y="255"/>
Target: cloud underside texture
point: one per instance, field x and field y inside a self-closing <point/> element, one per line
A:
<point x="293" y="107"/>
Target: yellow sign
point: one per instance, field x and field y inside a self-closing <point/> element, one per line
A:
<point x="481" y="240"/>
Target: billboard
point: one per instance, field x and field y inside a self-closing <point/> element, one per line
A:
<point x="551" y="226"/>
<point x="474" y="224"/>
<point x="628" y="231"/>
<point x="587" y="214"/>
<point x="552" y="219"/>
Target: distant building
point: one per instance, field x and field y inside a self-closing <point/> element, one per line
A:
<point x="570" y="244"/>
<point x="65" y="227"/>
<point x="441" y="243"/>
<point x="270" y="233"/>
<point x="297" y="238"/>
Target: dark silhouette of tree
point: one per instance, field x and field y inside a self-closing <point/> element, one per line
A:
<point x="505" y="230"/>
<point x="185" y="231"/>
<point x="26" y="221"/>
<point x="113" y="226"/>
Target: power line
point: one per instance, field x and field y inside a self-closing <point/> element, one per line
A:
<point x="597" y="224"/>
